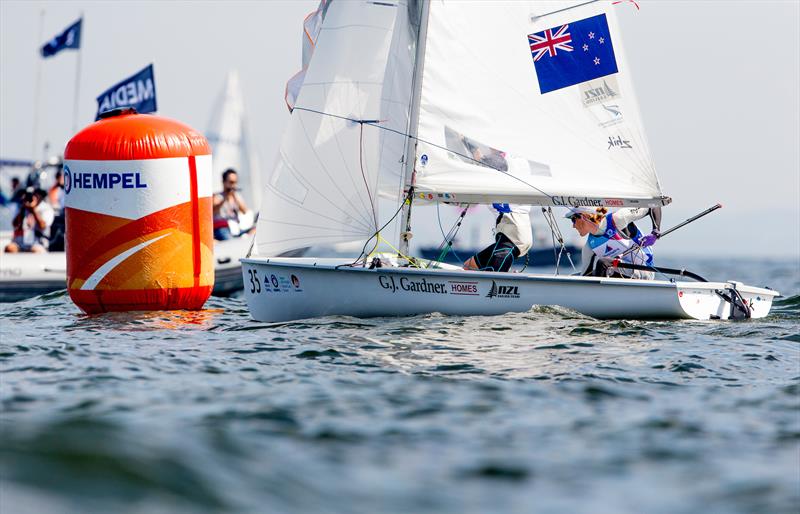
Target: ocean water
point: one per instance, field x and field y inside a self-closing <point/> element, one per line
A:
<point x="544" y="411"/>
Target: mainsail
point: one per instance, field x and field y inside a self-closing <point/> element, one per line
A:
<point x="491" y="130"/>
<point x="524" y="101"/>
<point x="229" y="136"/>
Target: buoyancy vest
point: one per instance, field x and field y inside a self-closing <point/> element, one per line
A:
<point x="612" y="243"/>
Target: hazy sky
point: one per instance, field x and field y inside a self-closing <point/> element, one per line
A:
<point x="718" y="85"/>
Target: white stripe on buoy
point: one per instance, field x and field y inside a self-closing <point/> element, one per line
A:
<point x="106" y="268"/>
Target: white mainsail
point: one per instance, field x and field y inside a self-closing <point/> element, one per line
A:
<point x="229" y="136"/>
<point x="482" y="127"/>
<point x="481" y="100"/>
<point x="334" y="165"/>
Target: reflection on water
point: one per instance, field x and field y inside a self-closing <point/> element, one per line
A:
<point x="547" y="411"/>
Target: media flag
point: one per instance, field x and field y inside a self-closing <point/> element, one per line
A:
<point x="573" y="53"/>
<point x="137" y="91"/>
<point x="70" y="38"/>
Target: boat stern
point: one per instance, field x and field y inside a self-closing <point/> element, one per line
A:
<point x="717" y="300"/>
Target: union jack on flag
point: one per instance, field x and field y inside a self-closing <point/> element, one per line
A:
<point x="550" y="43"/>
<point x="577" y="52"/>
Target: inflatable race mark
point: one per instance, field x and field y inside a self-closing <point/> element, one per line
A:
<point x="138" y="215"/>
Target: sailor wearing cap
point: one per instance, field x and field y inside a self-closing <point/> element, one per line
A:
<point x="610" y="235"/>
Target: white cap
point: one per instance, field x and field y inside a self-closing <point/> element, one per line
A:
<point x="580" y="210"/>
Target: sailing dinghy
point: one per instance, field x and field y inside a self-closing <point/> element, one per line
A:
<point x="406" y="103"/>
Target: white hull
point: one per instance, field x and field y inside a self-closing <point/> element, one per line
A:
<point x="282" y="289"/>
<point x="24" y="275"/>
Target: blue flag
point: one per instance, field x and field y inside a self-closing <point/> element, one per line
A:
<point x="70" y="38"/>
<point x="573" y="53"/>
<point x="137" y="91"/>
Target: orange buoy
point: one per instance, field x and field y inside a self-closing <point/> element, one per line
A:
<point x="138" y="215"/>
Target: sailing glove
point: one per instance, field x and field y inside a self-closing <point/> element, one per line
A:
<point x="650" y="239"/>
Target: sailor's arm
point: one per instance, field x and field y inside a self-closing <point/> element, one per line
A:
<point x="624" y="216"/>
<point x="240" y="202"/>
<point x="216" y="202"/>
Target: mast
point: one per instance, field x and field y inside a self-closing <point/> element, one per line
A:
<point x="411" y="142"/>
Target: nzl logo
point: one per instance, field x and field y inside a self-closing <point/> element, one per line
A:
<point x="503" y="291"/>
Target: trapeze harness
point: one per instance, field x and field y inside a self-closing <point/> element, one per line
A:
<point x="613" y="243"/>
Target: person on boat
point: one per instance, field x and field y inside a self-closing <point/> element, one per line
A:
<point x="31" y="224"/>
<point x="227" y="206"/>
<point x="513" y="238"/>
<point x="56" y="197"/>
<point x="610" y="235"/>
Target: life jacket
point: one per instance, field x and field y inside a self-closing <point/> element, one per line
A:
<point x="612" y="243"/>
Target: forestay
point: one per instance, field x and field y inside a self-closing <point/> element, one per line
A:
<point x="486" y="105"/>
<point x="334" y="163"/>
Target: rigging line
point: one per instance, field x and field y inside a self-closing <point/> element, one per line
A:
<point x="451" y="234"/>
<point x="328" y="174"/>
<point x="555" y="230"/>
<point x="361" y="164"/>
<point x="374" y="123"/>
<point x="556" y="253"/>
<point x="336" y="134"/>
<point x="399" y="209"/>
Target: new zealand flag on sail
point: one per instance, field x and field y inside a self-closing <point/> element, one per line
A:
<point x="573" y="53"/>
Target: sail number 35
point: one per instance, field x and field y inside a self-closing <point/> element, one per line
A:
<point x="255" y="284"/>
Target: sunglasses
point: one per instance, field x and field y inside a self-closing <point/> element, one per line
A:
<point x="575" y="217"/>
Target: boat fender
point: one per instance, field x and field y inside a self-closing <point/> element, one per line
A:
<point x="138" y="215"/>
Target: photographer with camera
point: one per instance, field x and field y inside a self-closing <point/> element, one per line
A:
<point x="228" y="205"/>
<point x="32" y="223"/>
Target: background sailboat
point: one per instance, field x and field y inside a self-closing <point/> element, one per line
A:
<point x="229" y="135"/>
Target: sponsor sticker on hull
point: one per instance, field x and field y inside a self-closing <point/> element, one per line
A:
<point x="411" y="285"/>
<point x="271" y="283"/>
<point x="464" y="288"/>
<point x="502" y="291"/>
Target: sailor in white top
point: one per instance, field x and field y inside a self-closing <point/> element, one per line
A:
<point x="612" y="236"/>
<point x="513" y="238"/>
